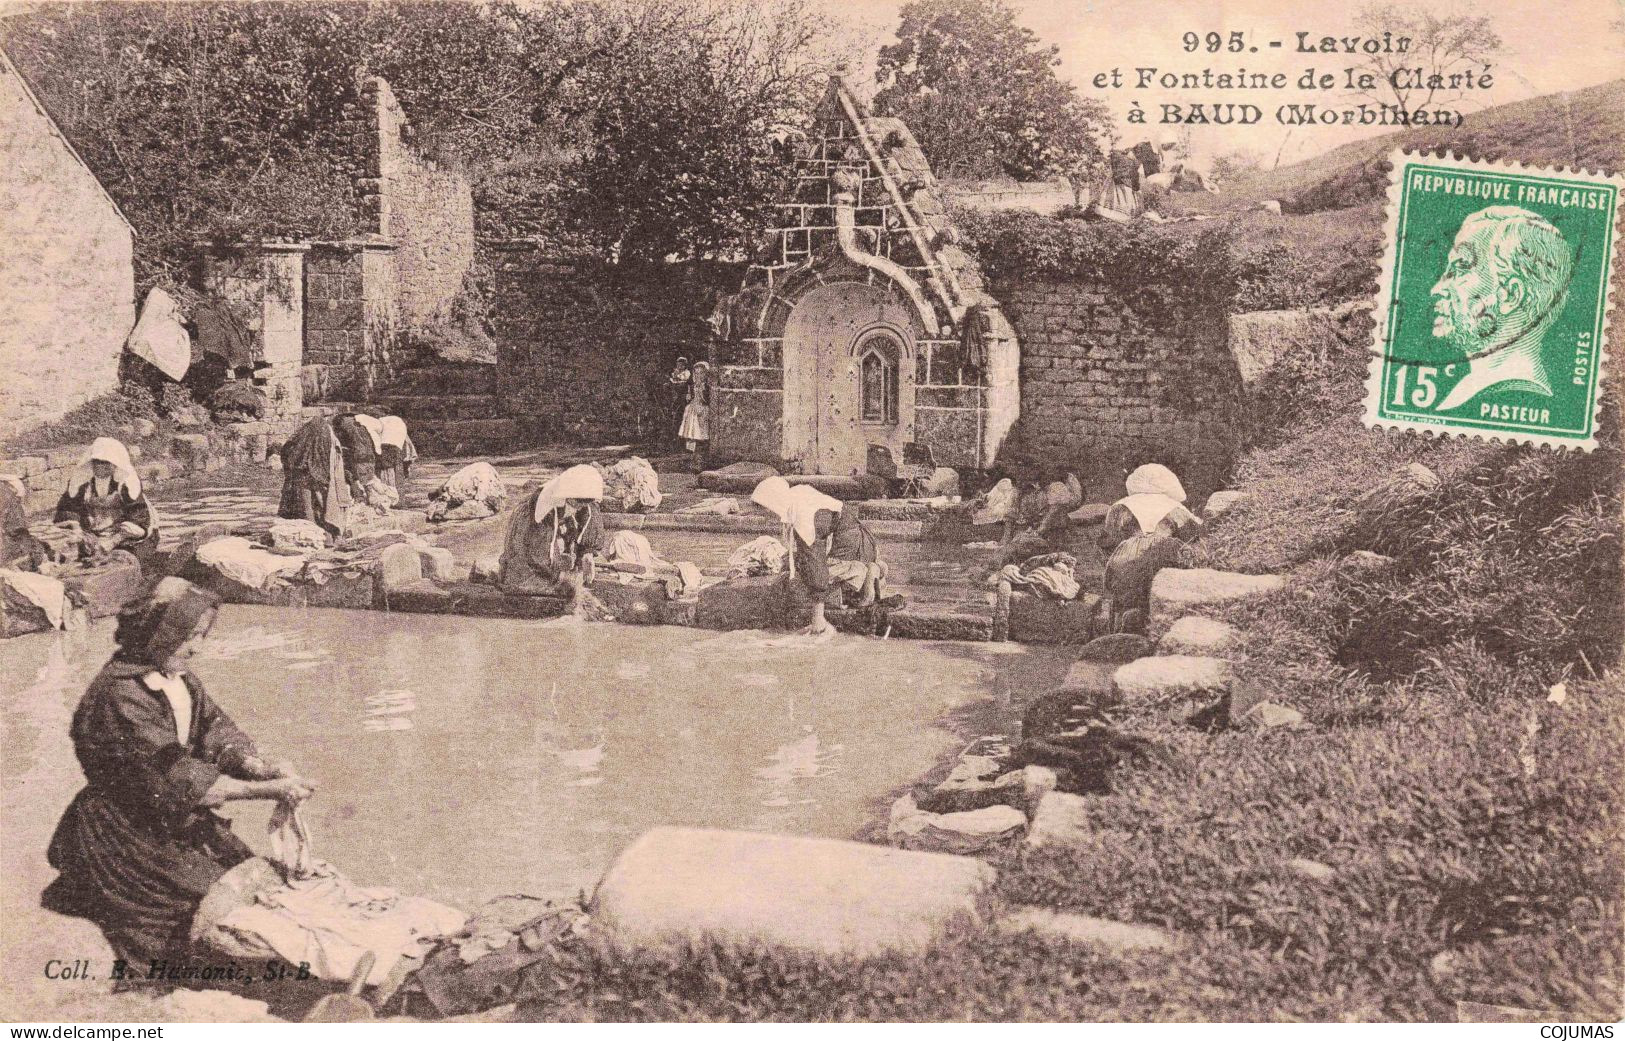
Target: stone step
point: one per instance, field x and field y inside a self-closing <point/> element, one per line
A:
<point x="423" y="407"/>
<point x="456" y="437"/>
<point x="1176" y="592"/>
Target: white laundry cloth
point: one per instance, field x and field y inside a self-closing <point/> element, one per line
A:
<point x="1001" y="499"/>
<point x="159" y="337"/>
<point x="45" y="593"/>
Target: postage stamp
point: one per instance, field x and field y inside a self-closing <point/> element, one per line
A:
<point x="1493" y="301"/>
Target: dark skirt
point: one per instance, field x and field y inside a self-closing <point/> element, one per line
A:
<point x="140" y="882"/>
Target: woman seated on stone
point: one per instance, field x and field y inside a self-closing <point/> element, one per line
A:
<point x="553" y="535"/>
<point x="1040" y="520"/>
<point x="830" y="547"/>
<point x="1154" y="503"/>
<point x="104" y="501"/>
<point x="141" y="845"/>
<point x="396" y="452"/>
<point x="314" y="485"/>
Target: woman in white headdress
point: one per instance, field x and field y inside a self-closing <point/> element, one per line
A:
<point x="553" y="535"/>
<point x="396" y="452"/>
<point x="1155" y="503"/>
<point x="829" y="545"/>
<point x="105" y="502"/>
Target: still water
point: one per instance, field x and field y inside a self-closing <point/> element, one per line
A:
<point x="466" y="758"/>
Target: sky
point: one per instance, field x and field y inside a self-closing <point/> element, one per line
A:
<point x="1549" y="46"/>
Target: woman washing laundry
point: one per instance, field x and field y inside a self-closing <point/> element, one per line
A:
<point x="314" y="484"/>
<point x="396" y="453"/>
<point x="1155" y="503"/>
<point x="552" y="537"/>
<point x="695" y="430"/>
<point x="829" y="544"/>
<point x="105" y="502"/>
<point x="141" y="845"/>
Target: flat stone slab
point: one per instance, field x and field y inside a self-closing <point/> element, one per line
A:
<point x="1176" y="592"/>
<point x="838" y="485"/>
<point x="1121" y="937"/>
<point x="678" y="888"/>
<point x="1116" y="648"/>
<point x="928" y="623"/>
<point x="1172" y="675"/>
<point x="1060" y="819"/>
<point x="1194" y="634"/>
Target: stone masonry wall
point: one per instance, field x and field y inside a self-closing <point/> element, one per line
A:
<point x="1105" y="385"/>
<point x="583" y="352"/>
<point x="65" y="262"/>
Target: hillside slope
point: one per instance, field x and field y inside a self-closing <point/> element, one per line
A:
<point x="1579" y="129"/>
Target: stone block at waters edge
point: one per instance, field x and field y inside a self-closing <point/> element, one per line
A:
<point x="742" y="603"/>
<point x="1221" y="503"/>
<point x="399" y="566"/>
<point x="1043" y="619"/>
<point x="1194" y="634"/>
<point x="971" y="831"/>
<point x="438" y="564"/>
<point x="108" y="588"/>
<point x="676" y="888"/>
<point x="1176" y="592"/>
<point x="1170" y="675"/>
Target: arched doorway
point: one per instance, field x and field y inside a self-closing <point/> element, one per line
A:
<point x="849" y="351"/>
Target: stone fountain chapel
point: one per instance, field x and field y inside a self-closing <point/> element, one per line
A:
<point x="862" y="322"/>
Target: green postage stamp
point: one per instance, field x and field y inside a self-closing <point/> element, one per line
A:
<point x="1493" y="301"/>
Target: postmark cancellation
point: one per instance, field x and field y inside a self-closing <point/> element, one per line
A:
<point x="1493" y="300"/>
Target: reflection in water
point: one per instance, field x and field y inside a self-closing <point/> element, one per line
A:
<point x="464" y="758"/>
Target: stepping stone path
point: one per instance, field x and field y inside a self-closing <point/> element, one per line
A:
<point x="1117" y="648"/>
<point x="1221" y="503"/>
<point x="1194" y="634"/>
<point x="1176" y="592"/>
<point x="1059" y="820"/>
<point x="1172" y="676"/>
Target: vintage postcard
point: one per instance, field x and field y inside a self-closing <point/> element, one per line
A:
<point x="762" y="511"/>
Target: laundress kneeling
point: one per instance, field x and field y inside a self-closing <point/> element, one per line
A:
<point x="553" y="535"/>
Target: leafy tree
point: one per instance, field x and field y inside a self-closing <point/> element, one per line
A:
<point x="680" y="105"/>
<point x="1442" y="45"/>
<point x="981" y="94"/>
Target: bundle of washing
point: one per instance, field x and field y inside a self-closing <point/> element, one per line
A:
<point x="248" y="562"/>
<point x="630" y="485"/>
<point x="473" y="492"/>
<point x="1000" y="500"/>
<point x="305" y="912"/>
<point x="630" y="552"/>
<point x="298" y="535"/>
<point x="765" y="555"/>
<point x="1052" y="574"/>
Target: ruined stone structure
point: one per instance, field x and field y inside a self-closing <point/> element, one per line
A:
<point x="851" y="328"/>
<point x="66" y="263"/>
<point x="398" y="276"/>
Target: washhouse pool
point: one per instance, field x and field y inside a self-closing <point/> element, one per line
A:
<point x="465" y="758"/>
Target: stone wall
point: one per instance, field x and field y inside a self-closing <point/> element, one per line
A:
<point x="65" y="262"/>
<point x="1108" y="385"/>
<point x="583" y="351"/>
<point x="400" y="275"/>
